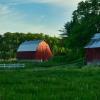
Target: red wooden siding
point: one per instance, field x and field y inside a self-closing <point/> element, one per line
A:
<point x="26" y="55"/>
<point x="92" y="54"/>
<point x="43" y="51"/>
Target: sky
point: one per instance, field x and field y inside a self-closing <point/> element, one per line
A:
<point x="35" y="16"/>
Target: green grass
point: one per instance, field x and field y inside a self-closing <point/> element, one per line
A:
<point x="50" y="84"/>
<point x="55" y="61"/>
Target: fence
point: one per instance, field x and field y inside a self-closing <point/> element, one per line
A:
<point x="12" y="65"/>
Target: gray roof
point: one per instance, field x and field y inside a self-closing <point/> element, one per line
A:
<point x="29" y="45"/>
<point x="95" y="41"/>
<point x="96" y="36"/>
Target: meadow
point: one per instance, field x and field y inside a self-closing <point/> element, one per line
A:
<point x="52" y="83"/>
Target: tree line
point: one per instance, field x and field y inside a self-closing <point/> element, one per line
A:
<point x="9" y="43"/>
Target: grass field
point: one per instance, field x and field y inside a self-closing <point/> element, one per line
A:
<point x="50" y="84"/>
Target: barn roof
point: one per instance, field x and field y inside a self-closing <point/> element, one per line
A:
<point x="95" y="41"/>
<point x="29" y="45"/>
<point x="96" y="36"/>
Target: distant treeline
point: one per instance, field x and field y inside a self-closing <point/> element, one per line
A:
<point x="9" y="43"/>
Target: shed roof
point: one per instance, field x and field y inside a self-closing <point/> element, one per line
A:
<point x="29" y="45"/>
<point x="96" y="36"/>
<point x="95" y="41"/>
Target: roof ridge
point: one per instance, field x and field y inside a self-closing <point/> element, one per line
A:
<point x="29" y="45"/>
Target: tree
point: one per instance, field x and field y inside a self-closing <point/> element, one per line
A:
<point x="84" y="24"/>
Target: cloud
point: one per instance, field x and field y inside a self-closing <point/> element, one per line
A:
<point x="53" y="2"/>
<point x="4" y="10"/>
<point x="11" y="21"/>
<point x="58" y="2"/>
<point x="14" y="21"/>
<point x="7" y="12"/>
<point x="8" y="18"/>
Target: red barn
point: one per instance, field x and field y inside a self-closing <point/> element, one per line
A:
<point x="93" y="50"/>
<point x="34" y="50"/>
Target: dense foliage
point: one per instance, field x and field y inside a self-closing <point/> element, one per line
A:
<point x="9" y="43"/>
<point x="84" y="24"/>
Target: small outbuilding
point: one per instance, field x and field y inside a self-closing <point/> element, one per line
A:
<point x="93" y="50"/>
<point x="34" y="50"/>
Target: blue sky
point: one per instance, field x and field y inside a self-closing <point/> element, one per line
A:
<point x="36" y="16"/>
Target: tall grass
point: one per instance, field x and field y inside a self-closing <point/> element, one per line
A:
<point x="55" y="84"/>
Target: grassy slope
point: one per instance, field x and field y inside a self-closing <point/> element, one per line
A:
<point x="50" y="84"/>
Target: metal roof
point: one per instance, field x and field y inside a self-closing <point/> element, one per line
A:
<point x="95" y="42"/>
<point x="29" y="45"/>
<point x="96" y="36"/>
